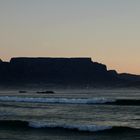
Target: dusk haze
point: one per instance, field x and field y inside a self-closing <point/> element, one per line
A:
<point x="69" y="69"/>
<point x="106" y="30"/>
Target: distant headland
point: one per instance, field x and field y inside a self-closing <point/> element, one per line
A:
<point x="62" y="71"/>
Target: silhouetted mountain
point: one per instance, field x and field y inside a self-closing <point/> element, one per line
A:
<point x="130" y="77"/>
<point x="58" y="71"/>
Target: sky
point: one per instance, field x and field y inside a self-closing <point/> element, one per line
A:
<point x="108" y="31"/>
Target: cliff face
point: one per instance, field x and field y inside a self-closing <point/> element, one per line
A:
<point x="56" y="70"/>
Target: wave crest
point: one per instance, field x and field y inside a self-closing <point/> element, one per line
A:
<point x="72" y="100"/>
<point x="58" y="100"/>
<point x="90" y="128"/>
<point x="18" y="124"/>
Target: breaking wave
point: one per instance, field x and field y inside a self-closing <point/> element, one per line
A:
<point x="90" y="128"/>
<point x="72" y="100"/>
<point x="43" y="125"/>
<point x="57" y="100"/>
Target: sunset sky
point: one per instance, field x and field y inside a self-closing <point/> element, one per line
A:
<point x="106" y="30"/>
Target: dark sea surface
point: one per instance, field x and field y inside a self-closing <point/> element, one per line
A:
<point x="70" y="115"/>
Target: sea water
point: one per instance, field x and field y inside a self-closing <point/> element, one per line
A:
<point x="70" y="115"/>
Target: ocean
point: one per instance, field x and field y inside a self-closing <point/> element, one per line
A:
<point x="90" y="114"/>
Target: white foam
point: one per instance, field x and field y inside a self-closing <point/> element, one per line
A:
<point x="90" y="128"/>
<point x="57" y="100"/>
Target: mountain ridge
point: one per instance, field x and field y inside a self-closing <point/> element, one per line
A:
<point x="77" y="70"/>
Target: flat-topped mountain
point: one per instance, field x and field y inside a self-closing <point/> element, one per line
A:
<point x="56" y="70"/>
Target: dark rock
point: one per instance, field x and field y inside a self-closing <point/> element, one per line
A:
<point x="45" y="92"/>
<point x="22" y="91"/>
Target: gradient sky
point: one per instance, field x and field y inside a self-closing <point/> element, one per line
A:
<point x="106" y="30"/>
